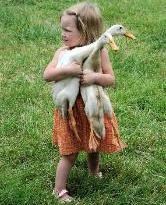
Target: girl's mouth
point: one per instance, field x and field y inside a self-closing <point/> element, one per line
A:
<point x="65" y="40"/>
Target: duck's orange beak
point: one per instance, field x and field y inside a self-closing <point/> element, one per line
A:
<point x="129" y="35"/>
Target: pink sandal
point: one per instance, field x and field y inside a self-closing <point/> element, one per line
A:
<point x="99" y="175"/>
<point x="63" y="196"/>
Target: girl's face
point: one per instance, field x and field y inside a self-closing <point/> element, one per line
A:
<point x="70" y="34"/>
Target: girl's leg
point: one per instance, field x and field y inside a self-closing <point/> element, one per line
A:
<point x="63" y="169"/>
<point x="93" y="163"/>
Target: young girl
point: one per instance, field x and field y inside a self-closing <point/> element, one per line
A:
<point x="81" y="25"/>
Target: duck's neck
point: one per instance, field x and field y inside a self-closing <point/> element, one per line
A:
<point x="100" y="43"/>
<point x="83" y="52"/>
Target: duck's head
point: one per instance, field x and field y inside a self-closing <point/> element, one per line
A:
<point x="119" y="30"/>
<point x="107" y="38"/>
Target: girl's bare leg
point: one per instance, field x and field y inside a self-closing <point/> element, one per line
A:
<point x="93" y="163"/>
<point x="63" y="169"/>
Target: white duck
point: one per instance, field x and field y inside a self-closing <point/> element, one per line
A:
<point x="95" y="99"/>
<point x="65" y="91"/>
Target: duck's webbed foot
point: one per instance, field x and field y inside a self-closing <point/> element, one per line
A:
<point x="73" y="123"/>
<point x="93" y="143"/>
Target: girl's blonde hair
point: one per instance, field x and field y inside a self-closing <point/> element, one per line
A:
<point x="88" y="21"/>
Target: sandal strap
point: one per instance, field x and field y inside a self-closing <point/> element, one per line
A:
<point x="62" y="193"/>
<point x="100" y="175"/>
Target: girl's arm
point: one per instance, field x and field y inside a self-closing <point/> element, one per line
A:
<point x="106" y="78"/>
<point x="53" y="74"/>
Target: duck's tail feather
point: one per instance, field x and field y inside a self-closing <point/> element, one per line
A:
<point x="98" y="127"/>
<point x="107" y="106"/>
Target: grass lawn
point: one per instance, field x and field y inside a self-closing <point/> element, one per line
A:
<point x="29" y="37"/>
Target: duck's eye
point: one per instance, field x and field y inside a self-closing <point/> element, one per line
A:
<point x="120" y="27"/>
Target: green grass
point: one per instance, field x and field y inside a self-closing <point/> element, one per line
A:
<point x="29" y="36"/>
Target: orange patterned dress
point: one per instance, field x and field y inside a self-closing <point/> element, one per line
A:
<point x="64" y="137"/>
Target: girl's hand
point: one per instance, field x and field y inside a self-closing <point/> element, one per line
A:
<point x="88" y="78"/>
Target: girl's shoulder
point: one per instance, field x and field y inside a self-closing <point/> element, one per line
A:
<point x="59" y="52"/>
<point x="61" y="49"/>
